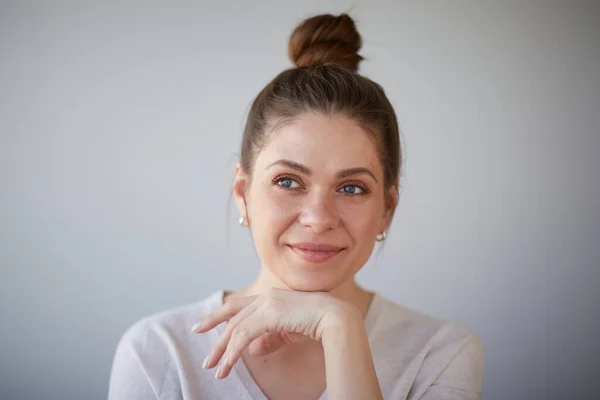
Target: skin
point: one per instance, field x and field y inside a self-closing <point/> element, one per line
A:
<point x="317" y="180"/>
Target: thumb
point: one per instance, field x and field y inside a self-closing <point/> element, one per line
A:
<point x="265" y="344"/>
<point x="273" y="341"/>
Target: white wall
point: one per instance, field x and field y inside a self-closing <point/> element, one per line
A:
<point x="119" y="125"/>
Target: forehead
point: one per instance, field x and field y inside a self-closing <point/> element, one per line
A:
<point x="322" y="143"/>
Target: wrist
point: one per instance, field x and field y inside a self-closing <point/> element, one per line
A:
<point x="342" y="320"/>
<point x="349" y="365"/>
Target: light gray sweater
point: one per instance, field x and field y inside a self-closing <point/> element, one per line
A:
<point x="415" y="356"/>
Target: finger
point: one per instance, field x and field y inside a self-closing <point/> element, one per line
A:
<point x="219" y="348"/>
<point x="249" y="329"/>
<point x="225" y="313"/>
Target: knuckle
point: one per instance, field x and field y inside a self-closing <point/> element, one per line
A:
<point x="263" y="313"/>
<point x="240" y="333"/>
<point x="233" y="321"/>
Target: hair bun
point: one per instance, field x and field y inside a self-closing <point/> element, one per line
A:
<point x="326" y="39"/>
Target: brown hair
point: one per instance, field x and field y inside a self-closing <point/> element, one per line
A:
<point x="326" y="80"/>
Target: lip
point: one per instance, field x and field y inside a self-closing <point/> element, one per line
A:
<point x="315" y="252"/>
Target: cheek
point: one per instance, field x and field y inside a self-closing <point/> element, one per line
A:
<point x="362" y="224"/>
<point x="272" y="212"/>
<point x="361" y="218"/>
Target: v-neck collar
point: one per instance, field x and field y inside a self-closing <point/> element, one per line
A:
<point x="240" y="370"/>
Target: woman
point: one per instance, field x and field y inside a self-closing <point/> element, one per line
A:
<point x="317" y="185"/>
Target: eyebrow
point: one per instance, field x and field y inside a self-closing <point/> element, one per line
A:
<point x="305" y="170"/>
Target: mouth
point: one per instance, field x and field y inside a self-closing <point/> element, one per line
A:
<point x="315" y="252"/>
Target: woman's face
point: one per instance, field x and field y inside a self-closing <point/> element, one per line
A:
<point x="315" y="201"/>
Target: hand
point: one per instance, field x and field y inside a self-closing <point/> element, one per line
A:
<point x="266" y="322"/>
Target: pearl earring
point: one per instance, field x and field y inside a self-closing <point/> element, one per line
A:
<point x="244" y="222"/>
<point x="381" y="236"/>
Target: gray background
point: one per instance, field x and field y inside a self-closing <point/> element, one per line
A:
<point x="120" y="124"/>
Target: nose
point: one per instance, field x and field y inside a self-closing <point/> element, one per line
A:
<point x="319" y="212"/>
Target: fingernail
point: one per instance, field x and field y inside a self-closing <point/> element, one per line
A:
<point x="225" y="360"/>
<point x="205" y="363"/>
<point x="197" y="326"/>
<point x="219" y="372"/>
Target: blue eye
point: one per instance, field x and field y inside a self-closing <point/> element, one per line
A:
<point x="352" y="189"/>
<point x="288" y="183"/>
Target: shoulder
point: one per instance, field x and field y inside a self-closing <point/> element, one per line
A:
<point x="396" y="322"/>
<point x="156" y="340"/>
<point x="169" y="325"/>
<point x="426" y="350"/>
<point x="146" y="362"/>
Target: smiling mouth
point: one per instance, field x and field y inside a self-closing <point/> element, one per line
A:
<point x="315" y="253"/>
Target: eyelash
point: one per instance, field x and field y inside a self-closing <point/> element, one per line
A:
<point x="279" y="178"/>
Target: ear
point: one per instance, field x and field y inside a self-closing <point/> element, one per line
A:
<point x="391" y="201"/>
<point x="240" y="185"/>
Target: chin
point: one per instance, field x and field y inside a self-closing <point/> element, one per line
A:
<point x="303" y="283"/>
